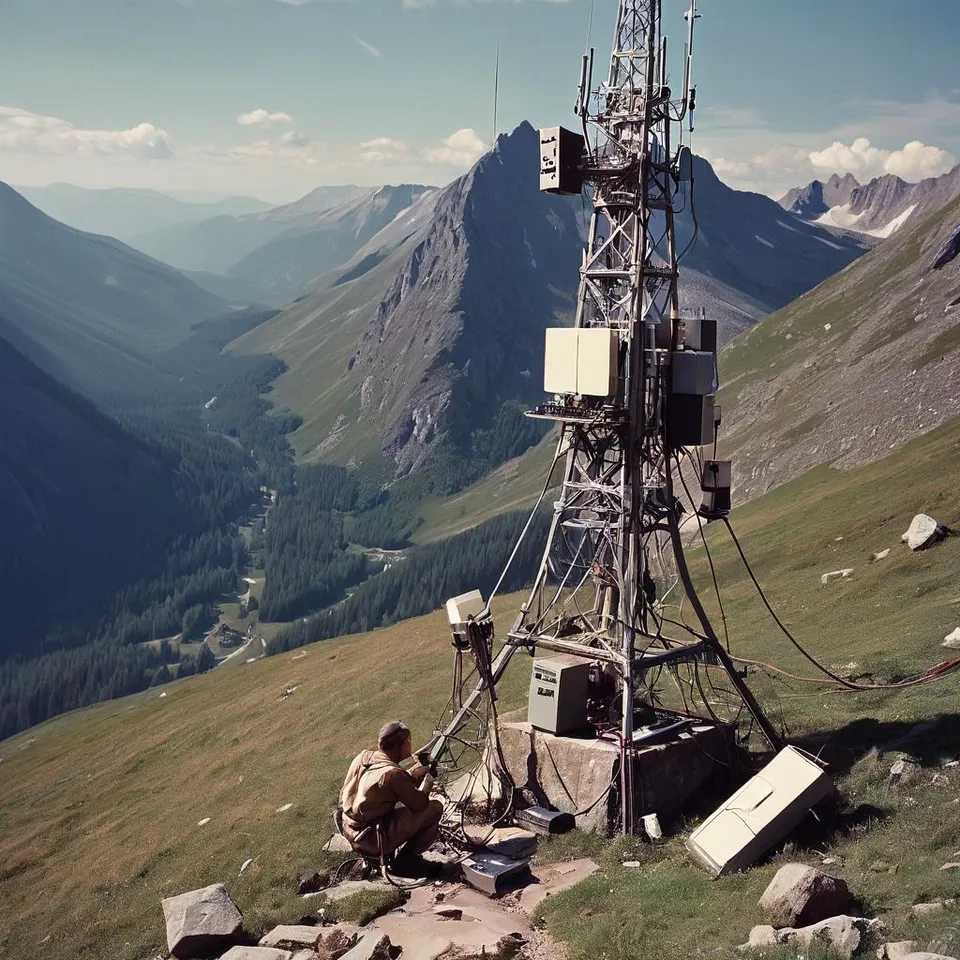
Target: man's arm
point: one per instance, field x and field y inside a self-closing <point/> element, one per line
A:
<point x="405" y="789"/>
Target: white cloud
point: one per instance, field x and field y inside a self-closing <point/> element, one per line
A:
<point x="35" y="133"/>
<point x="381" y="149"/>
<point x="294" y="139"/>
<point x="914" y="162"/>
<point x="460" y="149"/>
<point x="262" y="118"/>
<point x="368" y="47"/>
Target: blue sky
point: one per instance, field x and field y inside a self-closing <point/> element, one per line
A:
<point x="149" y="92"/>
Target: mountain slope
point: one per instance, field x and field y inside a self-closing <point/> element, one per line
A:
<point x="81" y="501"/>
<point x="126" y="213"/>
<point x="438" y="320"/>
<point x="283" y="267"/>
<point x="88" y="309"/>
<point x="216" y="244"/>
<point x="858" y="366"/>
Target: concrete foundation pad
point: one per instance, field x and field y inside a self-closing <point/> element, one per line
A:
<point x="573" y="774"/>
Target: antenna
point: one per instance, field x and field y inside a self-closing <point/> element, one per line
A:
<point x="496" y="94"/>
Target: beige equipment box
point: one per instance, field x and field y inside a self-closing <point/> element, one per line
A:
<point x="760" y="814"/>
<point x="558" y="694"/>
<point x="581" y="361"/>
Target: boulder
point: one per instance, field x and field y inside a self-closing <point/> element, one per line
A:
<point x="801" y="895"/>
<point x="923" y="532"/>
<point x="842" y="933"/>
<point x="952" y="639"/>
<point x="201" y="923"/>
<point x="372" y="945"/>
<point x="897" y="950"/>
<point x="935" y="906"/>
<point x="256" y="953"/>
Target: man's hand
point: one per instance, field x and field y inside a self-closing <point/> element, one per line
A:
<point x="419" y="771"/>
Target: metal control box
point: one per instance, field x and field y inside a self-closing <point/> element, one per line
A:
<point x="700" y="333"/>
<point x="558" y="694"/>
<point x="597" y="361"/>
<point x="580" y="361"/>
<point x="694" y="372"/>
<point x="691" y="420"/>
<point x="561" y="153"/>
<point x="560" y="360"/>
<point x="761" y="813"/>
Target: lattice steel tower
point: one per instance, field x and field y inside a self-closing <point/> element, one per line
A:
<point x="633" y="386"/>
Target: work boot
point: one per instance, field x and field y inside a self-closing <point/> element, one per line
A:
<point x="414" y="866"/>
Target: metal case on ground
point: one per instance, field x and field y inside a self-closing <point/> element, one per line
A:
<point x="760" y="814"/>
<point x="558" y="694"/>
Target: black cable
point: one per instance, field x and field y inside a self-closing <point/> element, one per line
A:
<point x="934" y="673"/>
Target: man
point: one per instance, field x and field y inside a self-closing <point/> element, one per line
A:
<point x="378" y="791"/>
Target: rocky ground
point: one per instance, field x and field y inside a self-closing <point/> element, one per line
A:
<point x="437" y="920"/>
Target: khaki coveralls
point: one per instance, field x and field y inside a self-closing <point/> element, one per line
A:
<point x="377" y="790"/>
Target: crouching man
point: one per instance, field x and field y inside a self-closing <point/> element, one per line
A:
<point x="378" y="792"/>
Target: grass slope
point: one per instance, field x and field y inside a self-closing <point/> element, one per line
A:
<point x="100" y="808"/>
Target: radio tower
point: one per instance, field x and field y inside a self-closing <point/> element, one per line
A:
<point x="634" y="383"/>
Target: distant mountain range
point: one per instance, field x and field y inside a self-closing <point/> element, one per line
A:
<point x="217" y="244"/>
<point x="877" y="209"/>
<point x="88" y="309"/>
<point x="281" y="269"/>
<point x="438" y="320"/>
<point x="125" y="213"/>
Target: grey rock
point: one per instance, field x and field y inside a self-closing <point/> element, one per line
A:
<point x="762" y="935"/>
<point x="338" y="844"/>
<point x="947" y="252"/>
<point x="801" y="895"/>
<point x="292" y="937"/>
<point x="923" y="532"/>
<point x="372" y="945"/>
<point x="899" y="770"/>
<point x="929" y="909"/>
<point x="836" y="575"/>
<point x="349" y="887"/>
<point x="201" y="922"/>
<point x="256" y="953"/>
<point x="842" y="933"/>
<point x="897" y="950"/>
<point x="306" y="955"/>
